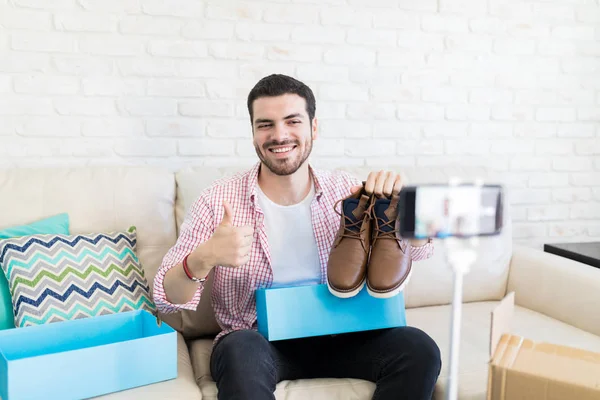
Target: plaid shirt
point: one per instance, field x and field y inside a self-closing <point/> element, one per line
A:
<point x="233" y="288"/>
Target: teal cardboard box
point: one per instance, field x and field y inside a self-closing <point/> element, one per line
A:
<point x="86" y="357"/>
<point x="303" y="311"/>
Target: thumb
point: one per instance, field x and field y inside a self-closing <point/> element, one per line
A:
<point x="355" y="188"/>
<point x="227" y="214"/>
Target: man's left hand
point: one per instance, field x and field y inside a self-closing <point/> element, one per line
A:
<point x="382" y="184"/>
<point x="386" y="184"/>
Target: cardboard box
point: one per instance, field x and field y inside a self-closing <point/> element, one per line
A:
<point x="521" y="369"/>
<point x="303" y="311"/>
<point x="86" y="357"/>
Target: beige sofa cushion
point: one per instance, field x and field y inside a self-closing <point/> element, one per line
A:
<point x="473" y="357"/>
<point x="97" y="200"/>
<point x="556" y="286"/>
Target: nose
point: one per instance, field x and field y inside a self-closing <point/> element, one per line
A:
<point x="280" y="132"/>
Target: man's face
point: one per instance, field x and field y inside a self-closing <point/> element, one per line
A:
<point x="282" y="132"/>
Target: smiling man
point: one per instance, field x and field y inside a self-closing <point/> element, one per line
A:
<point x="274" y="225"/>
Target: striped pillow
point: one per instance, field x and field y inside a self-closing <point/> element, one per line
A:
<point x="55" y="278"/>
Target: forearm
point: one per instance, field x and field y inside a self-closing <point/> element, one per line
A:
<point x="179" y="289"/>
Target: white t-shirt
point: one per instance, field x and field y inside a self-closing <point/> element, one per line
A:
<point x="292" y="242"/>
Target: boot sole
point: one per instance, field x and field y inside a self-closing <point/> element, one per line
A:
<point x="389" y="293"/>
<point x="346" y="294"/>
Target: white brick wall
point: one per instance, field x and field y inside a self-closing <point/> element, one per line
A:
<point x="513" y="86"/>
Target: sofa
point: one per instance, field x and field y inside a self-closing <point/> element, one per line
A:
<point x="556" y="299"/>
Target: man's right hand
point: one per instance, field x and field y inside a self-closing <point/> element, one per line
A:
<point x="230" y="245"/>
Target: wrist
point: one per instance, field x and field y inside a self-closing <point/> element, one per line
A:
<point x="200" y="261"/>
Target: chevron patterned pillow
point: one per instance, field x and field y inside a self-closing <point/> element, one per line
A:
<point x="55" y="278"/>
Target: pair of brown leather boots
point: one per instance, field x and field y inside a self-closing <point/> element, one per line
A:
<point x="368" y="248"/>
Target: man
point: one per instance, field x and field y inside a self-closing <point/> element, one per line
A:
<point x="274" y="225"/>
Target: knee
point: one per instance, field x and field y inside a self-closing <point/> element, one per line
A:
<point x="426" y="351"/>
<point x="422" y="351"/>
<point x="242" y="345"/>
<point x="243" y="352"/>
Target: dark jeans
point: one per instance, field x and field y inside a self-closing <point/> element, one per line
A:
<point x="403" y="362"/>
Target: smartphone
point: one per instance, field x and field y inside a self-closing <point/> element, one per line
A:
<point x="439" y="211"/>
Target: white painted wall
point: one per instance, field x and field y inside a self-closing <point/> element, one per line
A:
<point x="506" y="84"/>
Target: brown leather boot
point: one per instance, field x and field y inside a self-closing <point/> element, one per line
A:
<point x="390" y="261"/>
<point x="347" y="265"/>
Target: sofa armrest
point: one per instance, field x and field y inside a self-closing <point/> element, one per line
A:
<point x="563" y="289"/>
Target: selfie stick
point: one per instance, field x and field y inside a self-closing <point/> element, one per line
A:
<point x="460" y="255"/>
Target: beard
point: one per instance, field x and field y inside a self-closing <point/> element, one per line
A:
<point x="288" y="165"/>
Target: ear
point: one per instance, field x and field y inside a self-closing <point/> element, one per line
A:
<point x="314" y="128"/>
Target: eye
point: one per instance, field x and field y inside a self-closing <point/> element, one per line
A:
<point x="261" y="126"/>
<point x="295" y="121"/>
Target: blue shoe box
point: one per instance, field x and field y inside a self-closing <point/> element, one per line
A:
<point x="303" y="311"/>
<point x="86" y="357"/>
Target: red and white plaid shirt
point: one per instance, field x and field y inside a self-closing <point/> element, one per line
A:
<point x="233" y="288"/>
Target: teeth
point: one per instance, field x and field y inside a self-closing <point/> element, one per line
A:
<point x="283" y="150"/>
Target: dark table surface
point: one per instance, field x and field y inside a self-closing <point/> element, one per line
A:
<point x="586" y="252"/>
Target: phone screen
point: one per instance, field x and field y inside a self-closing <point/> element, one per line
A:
<point x="440" y="211"/>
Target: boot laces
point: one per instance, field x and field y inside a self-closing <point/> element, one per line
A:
<point x="379" y="233"/>
<point x="350" y="226"/>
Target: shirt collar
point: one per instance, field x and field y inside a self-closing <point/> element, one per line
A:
<point x="253" y="182"/>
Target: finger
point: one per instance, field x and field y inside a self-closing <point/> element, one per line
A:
<point x="397" y="185"/>
<point x="388" y="185"/>
<point x="370" y="184"/>
<point x="246" y="230"/>
<point x="355" y="188"/>
<point x="243" y="242"/>
<point x="247" y="241"/>
<point x="381" y="178"/>
<point x="241" y="260"/>
<point x="227" y="214"/>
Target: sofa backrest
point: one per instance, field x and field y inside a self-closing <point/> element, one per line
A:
<point x="101" y="199"/>
<point x="97" y="199"/>
<point x="432" y="279"/>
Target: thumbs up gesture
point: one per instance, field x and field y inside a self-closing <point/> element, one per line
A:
<point x="231" y="244"/>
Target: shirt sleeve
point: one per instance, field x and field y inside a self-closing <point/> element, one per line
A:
<point x="422" y="252"/>
<point x="196" y="228"/>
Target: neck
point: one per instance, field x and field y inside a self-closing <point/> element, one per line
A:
<point x="285" y="190"/>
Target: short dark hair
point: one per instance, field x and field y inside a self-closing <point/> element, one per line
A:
<point x="277" y="85"/>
